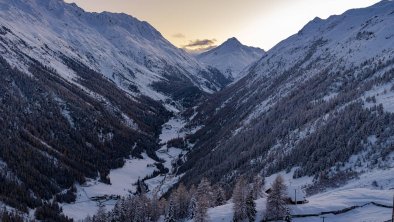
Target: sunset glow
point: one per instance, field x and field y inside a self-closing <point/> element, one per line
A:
<point x="205" y="23"/>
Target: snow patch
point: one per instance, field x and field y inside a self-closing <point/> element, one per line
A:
<point x="122" y="181"/>
<point x="383" y="95"/>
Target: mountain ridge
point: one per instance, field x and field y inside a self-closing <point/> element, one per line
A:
<point x="231" y="57"/>
<point x="263" y="123"/>
<point x="123" y="42"/>
<point x="82" y="92"/>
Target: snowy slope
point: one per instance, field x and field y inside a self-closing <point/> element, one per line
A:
<point x="88" y="90"/>
<point x="127" y="51"/>
<point x="297" y="95"/>
<point x="332" y="200"/>
<point x="231" y="57"/>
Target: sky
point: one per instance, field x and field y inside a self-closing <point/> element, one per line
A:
<point x="197" y="25"/>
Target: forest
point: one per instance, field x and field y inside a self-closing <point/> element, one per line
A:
<point x="54" y="134"/>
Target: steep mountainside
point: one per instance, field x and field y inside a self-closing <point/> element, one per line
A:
<point x="315" y="100"/>
<point x="231" y="57"/>
<point x="125" y="50"/>
<point x="82" y="91"/>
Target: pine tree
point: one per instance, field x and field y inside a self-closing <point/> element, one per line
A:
<point x="258" y="186"/>
<point x="251" y="207"/>
<point x="162" y="206"/>
<point x="155" y="207"/>
<point x="141" y="187"/>
<point x="144" y="208"/>
<point x="276" y="204"/>
<point x="88" y="219"/>
<point x="192" y="207"/>
<point x="239" y="198"/>
<point x="220" y="196"/>
<point x="120" y="211"/>
<point x="170" y="216"/>
<point x="192" y="191"/>
<point x="116" y="212"/>
<point x="101" y="215"/>
<point x="130" y="208"/>
<point x="173" y="205"/>
<point x="203" y="201"/>
<point x="183" y="200"/>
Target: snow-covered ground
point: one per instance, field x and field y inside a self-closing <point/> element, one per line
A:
<point x="383" y="95"/>
<point x="122" y="179"/>
<point x="225" y="212"/>
<point x="358" y="192"/>
<point x="172" y="129"/>
<point x="163" y="183"/>
<point x="368" y="213"/>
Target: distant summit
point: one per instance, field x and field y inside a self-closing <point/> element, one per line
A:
<point x="231" y="57"/>
<point x="232" y="42"/>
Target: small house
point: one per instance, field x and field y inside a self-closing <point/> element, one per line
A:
<point x="296" y="195"/>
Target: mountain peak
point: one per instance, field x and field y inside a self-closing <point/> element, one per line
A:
<point x="231" y="57"/>
<point x="232" y="41"/>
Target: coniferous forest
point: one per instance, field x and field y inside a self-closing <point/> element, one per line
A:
<point x="102" y="119"/>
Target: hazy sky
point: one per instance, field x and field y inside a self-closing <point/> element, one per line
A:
<point x="202" y="23"/>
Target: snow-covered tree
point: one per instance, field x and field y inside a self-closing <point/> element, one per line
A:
<point x="101" y="215"/>
<point x="276" y="204"/>
<point x="251" y="207"/>
<point x="192" y="190"/>
<point x="144" y="207"/>
<point x="192" y="207"/>
<point x="130" y="208"/>
<point x="141" y="187"/>
<point x="219" y="195"/>
<point x="173" y="206"/>
<point x="183" y="200"/>
<point x="240" y="194"/>
<point x="162" y="206"/>
<point x="117" y="211"/>
<point x="203" y="201"/>
<point x="171" y="212"/>
<point x="155" y="210"/>
<point x="258" y="186"/>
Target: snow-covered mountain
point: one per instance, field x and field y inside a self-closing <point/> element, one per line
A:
<point x="231" y="57"/>
<point x="80" y="92"/>
<point x="129" y="52"/>
<point x="320" y="101"/>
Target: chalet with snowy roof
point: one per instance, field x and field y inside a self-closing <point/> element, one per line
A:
<point x="295" y="195"/>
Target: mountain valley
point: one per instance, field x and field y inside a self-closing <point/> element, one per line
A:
<point x="96" y="107"/>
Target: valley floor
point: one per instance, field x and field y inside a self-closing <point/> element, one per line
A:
<point x="122" y="181"/>
<point x="372" y="189"/>
<point x="93" y="193"/>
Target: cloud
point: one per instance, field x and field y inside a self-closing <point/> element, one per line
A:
<point x="199" y="50"/>
<point x="179" y="36"/>
<point x="198" y="46"/>
<point x="200" y="43"/>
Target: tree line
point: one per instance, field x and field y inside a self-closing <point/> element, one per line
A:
<point x="192" y="204"/>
